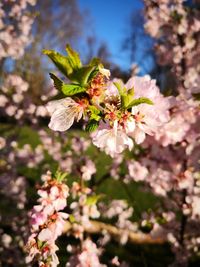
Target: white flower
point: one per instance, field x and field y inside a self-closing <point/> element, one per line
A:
<point x="63" y="113"/>
<point x="112" y="140"/>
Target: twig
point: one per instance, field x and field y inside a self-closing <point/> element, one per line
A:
<point x="95" y="227"/>
<point x="183" y="220"/>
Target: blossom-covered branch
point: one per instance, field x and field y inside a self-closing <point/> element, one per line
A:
<point x="115" y="112"/>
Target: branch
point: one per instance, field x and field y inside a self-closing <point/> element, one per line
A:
<point x="136" y="238"/>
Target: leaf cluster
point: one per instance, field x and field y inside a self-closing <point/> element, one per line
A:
<point x="71" y="67"/>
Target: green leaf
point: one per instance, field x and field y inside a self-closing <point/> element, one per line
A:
<point x="120" y="89"/>
<point x="138" y="101"/>
<point x="59" y="176"/>
<point x="73" y="58"/>
<point x="95" y="62"/>
<point x="61" y="62"/>
<point x="92" y="200"/>
<point x="40" y="244"/>
<point x="131" y="92"/>
<point x="95" y="117"/>
<point x="126" y="98"/>
<point x="67" y="89"/>
<point x="82" y="75"/>
<point x="72" y="218"/>
<point x="92" y="126"/>
<point x="95" y="113"/>
<point x="94" y="109"/>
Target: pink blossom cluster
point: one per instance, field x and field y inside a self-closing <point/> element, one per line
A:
<point x="84" y="208"/>
<point x="14" y="185"/>
<point x="16" y="102"/>
<point x="15" y="27"/>
<point x="177" y="29"/>
<point x="183" y="121"/>
<point x="119" y="125"/>
<point x="173" y="173"/>
<point x="167" y="161"/>
<point x="173" y="170"/>
<point x="88" y="257"/>
<point x="47" y="221"/>
<point x="119" y="209"/>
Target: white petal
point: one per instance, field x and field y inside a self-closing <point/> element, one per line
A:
<point x="139" y="136"/>
<point x="45" y="235"/>
<point x="61" y="120"/>
<point x="52" y="106"/>
<point x="130" y="125"/>
<point x="105" y="72"/>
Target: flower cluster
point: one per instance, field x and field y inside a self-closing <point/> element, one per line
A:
<point x="83" y="207"/>
<point x="47" y="221"/>
<point x="15" y="27"/>
<point x="176" y="27"/>
<point x="16" y="102"/>
<point x="87" y="257"/>
<point x="119" y="209"/>
<point x="15" y="34"/>
<point x="114" y="111"/>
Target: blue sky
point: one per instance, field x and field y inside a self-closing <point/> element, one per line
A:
<point x="110" y="22"/>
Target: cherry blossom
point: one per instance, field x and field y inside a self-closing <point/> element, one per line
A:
<point x="64" y="112"/>
<point x="112" y="140"/>
<point x="47" y="222"/>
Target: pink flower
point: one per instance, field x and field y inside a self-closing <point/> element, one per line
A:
<point x="38" y="217"/>
<point x="148" y="118"/>
<point x="46" y="222"/>
<point x="113" y="140"/>
<point x="137" y="171"/>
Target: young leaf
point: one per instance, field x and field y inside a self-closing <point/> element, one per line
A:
<point x="82" y="75"/>
<point x="73" y="58"/>
<point x="95" y="62"/>
<point x="40" y="244"/>
<point x="61" y="62"/>
<point x="59" y="176"/>
<point x="92" y="126"/>
<point x="94" y="110"/>
<point x="67" y="89"/>
<point x="92" y="200"/>
<point x="95" y="117"/>
<point x="95" y="113"/>
<point x="138" y="101"/>
<point x="125" y="98"/>
<point x="119" y="88"/>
